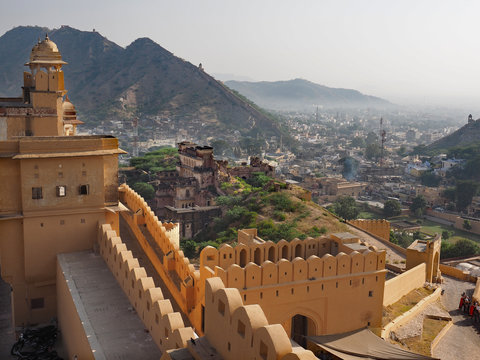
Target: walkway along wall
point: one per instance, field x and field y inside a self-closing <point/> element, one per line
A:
<point x="160" y="241"/>
<point x="166" y="326"/>
<point x="379" y="238"/>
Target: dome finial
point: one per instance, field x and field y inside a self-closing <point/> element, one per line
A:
<point x="46" y="36"/>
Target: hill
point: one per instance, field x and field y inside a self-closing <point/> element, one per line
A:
<point x="276" y="210"/>
<point x="302" y="95"/>
<point x="106" y="81"/>
<point x="469" y="134"/>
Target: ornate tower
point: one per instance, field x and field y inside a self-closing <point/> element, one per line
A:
<point x="44" y="90"/>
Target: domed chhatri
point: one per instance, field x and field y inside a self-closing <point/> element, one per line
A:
<point x="45" y="53"/>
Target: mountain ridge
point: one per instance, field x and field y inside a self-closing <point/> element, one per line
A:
<point x="301" y="94"/>
<point x="105" y="80"/>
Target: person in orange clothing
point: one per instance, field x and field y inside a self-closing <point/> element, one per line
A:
<point x="462" y="300"/>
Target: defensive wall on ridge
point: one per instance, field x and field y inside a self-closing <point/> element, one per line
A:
<point x="378" y="227"/>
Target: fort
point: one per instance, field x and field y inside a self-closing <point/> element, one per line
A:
<point x="62" y="207"/>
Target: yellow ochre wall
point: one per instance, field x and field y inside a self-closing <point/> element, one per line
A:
<point x="34" y="231"/>
<point x="337" y="293"/>
<point x="74" y="337"/>
<point x="379" y="227"/>
<point x="165" y="326"/>
<point x="342" y="289"/>
<point x="404" y="283"/>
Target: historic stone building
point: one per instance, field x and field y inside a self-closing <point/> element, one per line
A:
<point x="55" y="188"/>
<point x="187" y="195"/>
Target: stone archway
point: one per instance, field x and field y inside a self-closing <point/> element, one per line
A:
<point x="298" y="250"/>
<point x="257" y="254"/>
<point x="271" y="254"/>
<point x="243" y="257"/>
<point x="301" y="327"/>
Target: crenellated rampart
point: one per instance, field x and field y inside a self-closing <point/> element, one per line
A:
<point x="239" y="331"/>
<point x="378" y="227"/>
<point x="284" y="270"/>
<point x="160" y="242"/>
<point x="166" y="326"/>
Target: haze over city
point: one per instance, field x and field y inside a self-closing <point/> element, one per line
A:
<point x="407" y="52"/>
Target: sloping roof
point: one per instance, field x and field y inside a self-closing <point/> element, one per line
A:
<point x="363" y="344"/>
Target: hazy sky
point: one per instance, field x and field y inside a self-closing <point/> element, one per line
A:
<point x="420" y="51"/>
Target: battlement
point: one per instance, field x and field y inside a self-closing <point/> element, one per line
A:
<point x="166" y="231"/>
<point x="239" y="331"/>
<point x="166" y="326"/>
<point x="253" y="249"/>
<point x="286" y="271"/>
<point x="168" y="257"/>
<point x="378" y="227"/>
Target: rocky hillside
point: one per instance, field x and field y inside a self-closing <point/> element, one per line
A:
<point x="468" y="134"/>
<point x="107" y="81"/>
<point x="303" y="95"/>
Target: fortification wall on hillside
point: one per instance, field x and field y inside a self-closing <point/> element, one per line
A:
<point x="379" y="227"/>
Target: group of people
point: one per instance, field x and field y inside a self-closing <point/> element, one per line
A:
<point x="470" y="307"/>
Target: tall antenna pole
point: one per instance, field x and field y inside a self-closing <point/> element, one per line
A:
<point x="383" y="135"/>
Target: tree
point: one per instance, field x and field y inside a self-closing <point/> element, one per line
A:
<point x="220" y="147"/>
<point x="346" y="207"/>
<point x="446" y="234"/>
<point x="392" y="208"/>
<point x="357" y="141"/>
<point x="145" y="190"/>
<point x="350" y="166"/>
<point x="373" y="151"/>
<point x="402" y="150"/>
<point x="464" y="192"/>
<point x="467" y="225"/>
<point x="463" y="247"/>
<point x="372" y="138"/>
<point x="189" y="248"/>
<point x="418" y="206"/>
<point x="430" y="179"/>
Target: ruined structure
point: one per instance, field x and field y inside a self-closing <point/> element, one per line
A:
<point x="187" y="195"/>
<point x="246" y="171"/>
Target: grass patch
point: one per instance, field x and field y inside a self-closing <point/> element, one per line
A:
<point x="408" y="301"/>
<point x="369" y="215"/>
<point x="430" y="227"/>
<point x="422" y="344"/>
